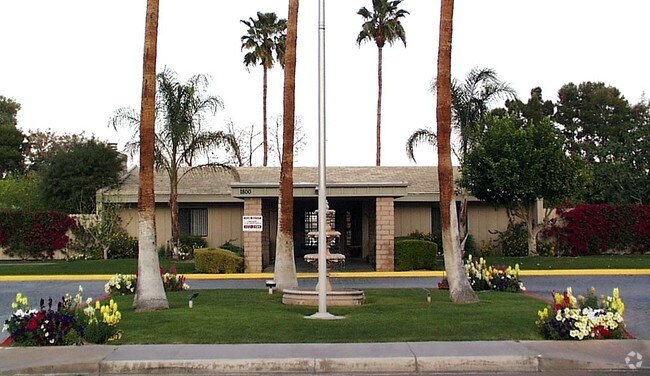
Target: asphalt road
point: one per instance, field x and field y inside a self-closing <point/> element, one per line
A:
<point x="634" y="291"/>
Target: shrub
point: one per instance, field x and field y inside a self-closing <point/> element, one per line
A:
<point x="431" y="237"/>
<point x="216" y="260"/>
<point x="123" y="246"/>
<point x="125" y="284"/>
<point x="470" y="246"/>
<point x="413" y="254"/>
<point x="483" y="277"/>
<point x="594" y="229"/>
<point x="514" y="240"/>
<point x="232" y="248"/>
<point x="188" y="243"/>
<point x="34" y="234"/>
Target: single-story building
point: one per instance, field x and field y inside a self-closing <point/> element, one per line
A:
<point x="373" y="205"/>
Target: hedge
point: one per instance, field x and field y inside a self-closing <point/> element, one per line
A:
<point x="217" y="261"/>
<point x="415" y="254"/>
<point x="598" y="228"/>
<point x="34" y="234"/>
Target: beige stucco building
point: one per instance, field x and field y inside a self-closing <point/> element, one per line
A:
<point x="373" y="205"/>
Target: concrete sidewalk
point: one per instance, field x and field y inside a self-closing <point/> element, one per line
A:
<point x="390" y="358"/>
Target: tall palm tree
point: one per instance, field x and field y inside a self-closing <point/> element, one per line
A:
<point x="470" y="102"/>
<point x="265" y="37"/>
<point x="460" y="290"/>
<point x="381" y="25"/>
<point x="180" y="137"/>
<point x="285" y="267"/>
<point x="149" y="293"/>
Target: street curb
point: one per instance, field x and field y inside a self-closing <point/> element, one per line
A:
<point x="249" y="276"/>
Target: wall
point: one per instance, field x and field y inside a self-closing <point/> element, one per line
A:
<point x="483" y="218"/>
<point x="410" y="217"/>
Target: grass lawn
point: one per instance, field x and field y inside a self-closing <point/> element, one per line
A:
<point x="129" y="266"/>
<point x="254" y="316"/>
<point x="54" y="267"/>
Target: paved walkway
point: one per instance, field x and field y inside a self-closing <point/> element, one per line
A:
<point x="386" y="358"/>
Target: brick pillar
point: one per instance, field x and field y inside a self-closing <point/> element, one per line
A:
<point x="266" y="233"/>
<point x="253" y="240"/>
<point x="385" y="234"/>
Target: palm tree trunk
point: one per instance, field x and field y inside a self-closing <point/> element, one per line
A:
<point x="379" y="92"/>
<point x="462" y="226"/>
<point x="149" y="293"/>
<point x="173" y="205"/>
<point x="460" y="290"/>
<point x="264" y="122"/>
<point x="285" y="267"/>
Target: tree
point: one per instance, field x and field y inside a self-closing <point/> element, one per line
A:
<point x="285" y="267"/>
<point x="470" y="102"/>
<point x="8" y="111"/>
<point x="12" y="145"/>
<point x="611" y="136"/>
<point x="43" y="144"/>
<point x="460" y="291"/>
<point x="382" y="25"/>
<point x="21" y="192"/>
<point x="149" y="293"/>
<point x="300" y="139"/>
<point x="180" y="138"/>
<point x="266" y="36"/>
<point x="71" y="178"/>
<point x="515" y="166"/>
<point x="533" y="111"/>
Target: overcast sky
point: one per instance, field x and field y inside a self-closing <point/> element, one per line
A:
<point x="71" y="63"/>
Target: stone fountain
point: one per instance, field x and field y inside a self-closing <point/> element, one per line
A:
<point x="335" y="297"/>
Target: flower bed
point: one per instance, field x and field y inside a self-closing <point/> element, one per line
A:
<point x="125" y="284"/>
<point x="70" y="321"/>
<point x="583" y="318"/>
<point x="489" y="277"/>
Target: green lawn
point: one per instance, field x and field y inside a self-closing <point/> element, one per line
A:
<point x="253" y="316"/>
<point x="57" y="267"/>
<point x="584" y="262"/>
<point x="129" y="266"/>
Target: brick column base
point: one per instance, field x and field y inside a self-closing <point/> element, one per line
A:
<point x="385" y="234"/>
<point x="253" y="240"/>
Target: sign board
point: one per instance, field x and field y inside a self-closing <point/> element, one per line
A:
<point x="252" y="223"/>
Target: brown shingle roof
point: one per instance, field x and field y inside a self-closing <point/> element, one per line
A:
<point x="419" y="179"/>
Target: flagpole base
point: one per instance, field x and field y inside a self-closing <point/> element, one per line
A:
<point x="324" y="316"/>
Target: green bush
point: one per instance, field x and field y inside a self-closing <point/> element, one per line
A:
<point x="35" y="235"/>
<point x="232" y="248"/>
<point x="217" y="261"/>
<point x="188" y="243"/>
<point x="470" y="246"/>
<point x="123" y="246"/>
<point x="415" y="254"/>
<point x="436" y="238"/>
<point x="514" y="240"/>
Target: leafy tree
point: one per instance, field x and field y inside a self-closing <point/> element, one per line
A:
<point x="266" y="36"/>
<point x="470" y="102"/>
<point x="515" y="166"/>
<point x="8" y="111"/>
<point x="611" y="136"/>
<point x="180" y="139"/>
<point x="533" y="111"/>
<point x="21" y="192"/>
<point x="285" y="267"/>
<point x="460" y="291"/>
<point x="71" y="178"/>
<point x="149" y="293"/>
<point x="381" y="25"/>
<point x="42" y="144"/>
<point x="12" y="144"/>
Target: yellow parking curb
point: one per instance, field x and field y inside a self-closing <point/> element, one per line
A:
<point x="247" y="276"/>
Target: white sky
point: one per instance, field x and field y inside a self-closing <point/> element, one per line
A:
<point x="71" y="63"/>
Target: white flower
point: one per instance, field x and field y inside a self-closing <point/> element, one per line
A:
<point x="5" y="327"/>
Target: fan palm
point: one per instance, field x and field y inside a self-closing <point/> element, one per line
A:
<point x="382" y="25"/>
<point x="285" y="267"/>
<point x="150" y="293"/>
<point x="266" y="39"/>
<point x="180" y="139"/>
<point x="470" y="102"/>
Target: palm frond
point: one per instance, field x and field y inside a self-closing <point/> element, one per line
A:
<point x="420" y="136"/>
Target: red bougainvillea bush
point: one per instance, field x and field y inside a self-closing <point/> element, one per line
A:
<point x="590" y="229"/>
<point x="34" y="234"/>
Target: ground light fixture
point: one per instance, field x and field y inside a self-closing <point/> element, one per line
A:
<point x="192" y="297"/>
<point x="270" y="284"/>
<point x="428" y="295"/>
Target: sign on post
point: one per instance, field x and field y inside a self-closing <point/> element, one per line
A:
<point x="252" y="223"/>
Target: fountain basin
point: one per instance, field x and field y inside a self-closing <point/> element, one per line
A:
<point x="337" y="297"/>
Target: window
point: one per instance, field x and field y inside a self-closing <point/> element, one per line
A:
<point x="311" y="225"/>
<point x="193" y="221"/>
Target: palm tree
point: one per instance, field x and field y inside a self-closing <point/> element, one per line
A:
<point x="285" y="267"/>
<point x="381" y="25"/>
<point x="265" y="37"/>
<point x="470" y="102"/>
<point x="460" y="290"/>
<point x="180" y="138"/>
<point x="149" y="293"/>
